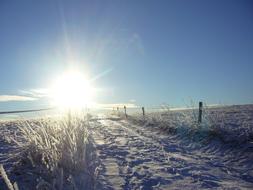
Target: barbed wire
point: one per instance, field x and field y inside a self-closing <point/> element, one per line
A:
<point x="51" y="108"/>
<point x="107" y="108"/>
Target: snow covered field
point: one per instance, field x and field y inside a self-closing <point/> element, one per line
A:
<point x="166" y="150"/>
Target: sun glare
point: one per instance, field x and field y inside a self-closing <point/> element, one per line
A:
<point x="71" y="90"/>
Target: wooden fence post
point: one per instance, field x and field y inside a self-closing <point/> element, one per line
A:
<point x="125" y="111"/>
<point x="69" y="117"/>
<point x="200" y="112"/>
<point x="118" y="111"/>
<point x="143" y="111"/>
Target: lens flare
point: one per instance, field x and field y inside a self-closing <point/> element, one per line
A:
<point x="71" y="90"/>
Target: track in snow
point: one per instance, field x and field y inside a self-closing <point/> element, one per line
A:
<point x="134" y="157"/>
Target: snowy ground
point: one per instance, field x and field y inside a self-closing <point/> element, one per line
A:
<point x="132" y="154"/>
<point x="136" y="157"/>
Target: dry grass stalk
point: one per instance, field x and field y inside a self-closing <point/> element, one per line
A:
<point x="6" y="179"/>
<point x="56" y="148"/>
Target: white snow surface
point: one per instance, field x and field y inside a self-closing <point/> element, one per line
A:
<point x="135" y="157"/>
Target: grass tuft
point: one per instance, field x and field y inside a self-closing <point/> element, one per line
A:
<point x="56" y="152"/>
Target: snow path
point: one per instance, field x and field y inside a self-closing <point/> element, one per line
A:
<point x="134" y="157"/>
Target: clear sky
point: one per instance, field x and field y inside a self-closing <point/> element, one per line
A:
<point x="147" y="52"/>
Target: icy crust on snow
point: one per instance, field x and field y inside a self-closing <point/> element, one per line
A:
<point x="141" y="156"/>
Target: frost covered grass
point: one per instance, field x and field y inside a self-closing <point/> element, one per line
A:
<point x="229" y="124"/>
<point x="9" y="185"/>
<point x="50" y="154"/>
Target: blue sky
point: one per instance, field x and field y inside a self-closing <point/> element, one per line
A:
<point x="152" y="52"/>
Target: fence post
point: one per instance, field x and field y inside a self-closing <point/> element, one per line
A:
<point x="143" y="111"/>
<point x="200" y="112"/>
<point x="118" y="111"/>
<point x="69" y="117"/>
<point x="125" y="111"/>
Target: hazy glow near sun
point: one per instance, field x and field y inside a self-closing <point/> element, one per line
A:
<point x="71" y="90"/>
